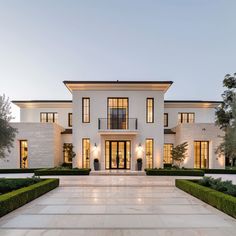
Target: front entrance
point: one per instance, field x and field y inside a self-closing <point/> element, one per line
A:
<point x="117" y="154"/>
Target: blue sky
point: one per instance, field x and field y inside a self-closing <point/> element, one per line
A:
<point x="42" y="43"/>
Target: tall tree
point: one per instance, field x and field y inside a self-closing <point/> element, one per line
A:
<point x="228" y="146"/>
<point x="224" y="111"/>
<point x="7" y="132"/>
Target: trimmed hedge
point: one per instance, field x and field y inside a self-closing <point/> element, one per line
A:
<point x="12" y="171"/>
<point x="174" y="172"/>
<point x="15" y="199"/>
<point x="219" y="171"/>
<point x="62" y="172"/>
<point x="219" y="200"/>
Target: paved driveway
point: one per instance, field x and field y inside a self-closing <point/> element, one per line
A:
<point x="117" y="205"/>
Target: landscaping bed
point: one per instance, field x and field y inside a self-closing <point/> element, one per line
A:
<point x="174" y="172"/>
<point x="215" y="198"/>
<point x="17" y="198"/>
<point x="62" y="171"/>
<point x="219" y="171"/>
<point x="18" y="170"/>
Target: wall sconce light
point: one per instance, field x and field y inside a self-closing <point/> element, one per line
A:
<point x="95" y="145"/>
<point x="140" y="147"/>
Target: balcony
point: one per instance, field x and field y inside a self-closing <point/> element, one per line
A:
<point x="118" y="126"/>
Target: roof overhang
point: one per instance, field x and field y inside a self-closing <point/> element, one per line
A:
<point x="43" y="103"/>
<point x="118" y="85"/>
<point x="191" y="104"/>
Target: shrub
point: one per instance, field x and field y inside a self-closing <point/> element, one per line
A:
<point x="177" y="172"/>
<point x="226" y="187"/>
<point x="8" y="185"/>
<point x="221" y="201"/>
<point x="66" y="165"/>
<point x="55" y="171"/>
<point x="167" y="165"/>
<point x="12" y="200"/>
<point x="18" y="170"/>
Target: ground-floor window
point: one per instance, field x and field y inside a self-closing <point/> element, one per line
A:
<point x="23" y="154"/>
<point x="117" y="154"/>
<point x="201" y="154"/>
<point x="149" y="153"/>
<point x="86" y="152"/>
<point x="67" y="152"/>
<point x="167" y="153"/>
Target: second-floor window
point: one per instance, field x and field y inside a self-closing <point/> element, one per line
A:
<point x="186" y="118"/>
<point x="86" y="110"/>
<point x="48" y="117"/>
<point x="70" y="119"/>
<point x="165" y="119"/>
<point x="117" y="113"/>
<point x="150" y="110"/>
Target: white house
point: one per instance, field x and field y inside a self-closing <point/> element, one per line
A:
<point x="116" y="122"/>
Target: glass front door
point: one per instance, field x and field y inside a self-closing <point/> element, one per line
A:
<point x="118" y="154"/>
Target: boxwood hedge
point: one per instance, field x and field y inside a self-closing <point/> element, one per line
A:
<point x="12" y="171"/>
<point x="53" y="171"/>
<point x="12" y="200"/>
<point x="174" y="172"/>
<point x="219" y="200"/>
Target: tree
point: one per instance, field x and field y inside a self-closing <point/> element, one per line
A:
<point x="224" y="111"/>
<point x="7" y="133"/>
<point x="68" y="149"/>
<point x="228" y="146"/>
<point x="179" y="153"/>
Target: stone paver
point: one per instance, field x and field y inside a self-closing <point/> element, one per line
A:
<point x="117" y="205"/>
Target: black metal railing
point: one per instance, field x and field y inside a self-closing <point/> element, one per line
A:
<point x="118" y="124"/>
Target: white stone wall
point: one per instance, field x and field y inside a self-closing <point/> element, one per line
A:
<point x="33" y="115"/>
<point x="202" y="115"/>
<point x="201" y="132"/>
<point x="137" y="109"/>
<point x="44" y="145"/>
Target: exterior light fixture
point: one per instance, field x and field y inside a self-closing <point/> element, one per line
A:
<point x="95" y="145"/>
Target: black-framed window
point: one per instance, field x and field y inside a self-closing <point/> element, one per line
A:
<point x="117" y="112"/>
<point x="86" y="152"/>
<point x="201" y="154"/>
<point x="167" y="153"/>
<point x="70" y="119"/>
<point x="186" y="117"/>
<point x="149" y="152"/>
<point x="86" y="110"/>
<point x="165" y="119"/>
<point x="150" y="110"/>
<point x="48" y="117"/>
<point x="23" y="154"/>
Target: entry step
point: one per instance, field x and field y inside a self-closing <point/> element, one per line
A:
<point x="118" y="172"/>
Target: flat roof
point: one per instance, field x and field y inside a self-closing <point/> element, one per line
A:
<point x="117" y="85"/>
<point x="117" y="81"/>
<point x="69" y="101"/>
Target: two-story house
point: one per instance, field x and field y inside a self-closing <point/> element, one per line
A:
<point x="116" y="122"/>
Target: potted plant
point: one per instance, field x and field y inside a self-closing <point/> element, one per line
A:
<point x="139" y="163"/>
<point x="96" y="164"/>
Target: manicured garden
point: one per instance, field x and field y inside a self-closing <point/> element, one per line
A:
<point x="14" y="193"/>
<point x="62" y="171"/>
<point x="174" y="172"/>
<point x="217" y="193"/>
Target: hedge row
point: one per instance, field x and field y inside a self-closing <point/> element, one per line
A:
<point x="52" y="171"/>
<point x="4" y="171"/>
<point x="221" y="201"/>
<point x="174" y="172"/>
<point x="12" y="200"/>
<point x="219" y="171"/>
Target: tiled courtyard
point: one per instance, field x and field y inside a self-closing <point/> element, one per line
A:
<point x="117" y="205"/>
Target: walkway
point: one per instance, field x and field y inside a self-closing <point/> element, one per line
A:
<point x="117" y="205"/>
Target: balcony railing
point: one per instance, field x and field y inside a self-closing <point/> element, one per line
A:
<point x="130" y="124"/>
